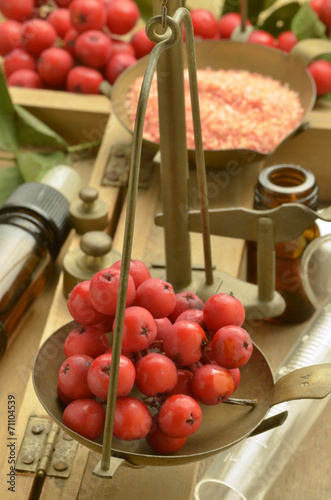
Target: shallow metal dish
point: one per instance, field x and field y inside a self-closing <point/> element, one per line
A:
<point x="223" y="54"/>
<point x="222" y="425"/>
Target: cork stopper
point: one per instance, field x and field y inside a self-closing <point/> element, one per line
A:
<point x="94" y="253"/>
<point x="88" y="212"/>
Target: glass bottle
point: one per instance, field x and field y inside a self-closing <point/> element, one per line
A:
<point x="34" y="224"/>
<point x="277" y="185"/>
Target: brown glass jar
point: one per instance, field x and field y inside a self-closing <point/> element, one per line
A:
<point x="277" y="185"/>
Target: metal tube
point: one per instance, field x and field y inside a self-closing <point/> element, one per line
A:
<point x="199" y="152"/>
<point x="174" y="159"/>
<point x="265" y="259"/>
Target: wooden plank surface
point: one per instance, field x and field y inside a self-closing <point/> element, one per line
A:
<point x="78" y="118"/>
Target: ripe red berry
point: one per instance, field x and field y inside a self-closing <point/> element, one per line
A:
<point x="162" y="324"/>
<point x="141" y="43"/>
<point x="315" y="5"/>
<point x="19" y="10"/>
<point x="117" y="64"/>
<point x="104" y="289"/>
<point x="161" y="442"/>
<point x="86" y="340"/>
<point x="10" y="36"/>
<point x="132" y="419"/>
<point x="195" y="315"/>
<point x="212" y="384"/>
<point x="320" y="70"/>
<point x="139" y="329"/>
<point x="204" y="23"/>
<point x="62" y="397"/>
<point x="223" y="309"/>
<point x="72" y="378"/>
<point x="157" y="296"/>
<point x="18" y="59"/>
<point x="54" y="65"/>
<point x="87" y="15"/>
<point x="231" y="346"/>
<point x="26" y="78"/>
<point x="184" y="342"/>
<point x="185" y="301"/>
<point x="38" y="35"/>
<point x="261" y="37"/>
<point x="286" y="40"/>
<point x="80" y="306"/>
<point x="63" y="3"/>
<point x="69" y="41"/>
<point x="155" y="374"/>
<point x="236" y="375"/>
<point x="122" y="16"/>
<point x="98" y="376"/>
<point x="228" y="23"/>
<point x="184" y="382"/>
<point x="85" y="417"/>
<point x="93" y="48"/>
<point x="60" y="20"/>
<point x="138" y="270"/>
<point x="123" y="46"/>
<point x="324" y="12"/>
<point x="83" y="80"/>
<point x="180" y="416"/>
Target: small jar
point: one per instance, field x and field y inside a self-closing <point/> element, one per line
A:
<point x="277" y="185"/>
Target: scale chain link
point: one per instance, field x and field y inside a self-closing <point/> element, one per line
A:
<point x="164" y="13"/>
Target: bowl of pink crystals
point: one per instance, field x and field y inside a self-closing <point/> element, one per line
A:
<point x="252" y="98"/>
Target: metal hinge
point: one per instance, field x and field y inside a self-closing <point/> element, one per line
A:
<point x="46" y="449"/>
<point x="118" y="166"/>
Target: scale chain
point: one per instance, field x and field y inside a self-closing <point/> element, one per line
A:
<point x="164" y="13"/>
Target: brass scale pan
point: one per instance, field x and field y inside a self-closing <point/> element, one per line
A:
<point x="225" y="424"/>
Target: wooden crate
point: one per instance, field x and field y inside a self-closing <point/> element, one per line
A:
<point x="76" y="117"/>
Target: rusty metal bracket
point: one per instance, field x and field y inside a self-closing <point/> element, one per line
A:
<point x="46" y="449"/>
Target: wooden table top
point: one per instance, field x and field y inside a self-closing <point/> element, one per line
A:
<point x="307" y="476"/>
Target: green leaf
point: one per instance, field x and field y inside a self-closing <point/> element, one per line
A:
<point x="306" y="24"/>
<point x="254" y="7"/>
<point x="145" y="9"/>
<point x="10" y="178"/>
<point x="326" y="57"/>
<point x="279" y="19"/>
<point x="8" y="137"/>
<point x="33" y="132"/>
<point x="33" y="166"/>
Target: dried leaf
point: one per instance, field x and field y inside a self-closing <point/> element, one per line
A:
<point x="8" y="135"/>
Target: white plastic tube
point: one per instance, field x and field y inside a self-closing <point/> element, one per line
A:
<point x="248" y="470"/>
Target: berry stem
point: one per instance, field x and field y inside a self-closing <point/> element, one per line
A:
<point x="81" y="147"/>
<point x="241" y="402"/>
